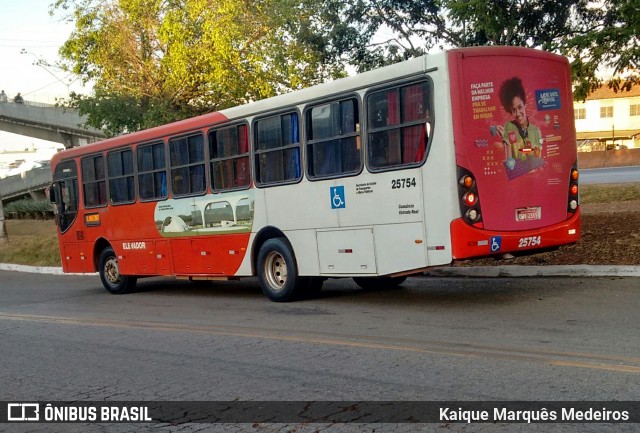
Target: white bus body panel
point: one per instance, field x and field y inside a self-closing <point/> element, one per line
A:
<point x="393" y="221"/>
<point x="346" y="252"/>
<point x="400" y="247"/>
<point x="439" y="172"/>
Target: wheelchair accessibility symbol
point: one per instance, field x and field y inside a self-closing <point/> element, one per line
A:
<point x="495" y="243"/>
<point x="337" y="197"/>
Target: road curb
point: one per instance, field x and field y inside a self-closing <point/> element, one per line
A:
<point x="51" y="270"/>
<point x="510" y="271"/>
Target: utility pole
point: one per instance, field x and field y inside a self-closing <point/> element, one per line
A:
<point x="613" y="136"/>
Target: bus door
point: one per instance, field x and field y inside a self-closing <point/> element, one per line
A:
<point x="63" y="195"/>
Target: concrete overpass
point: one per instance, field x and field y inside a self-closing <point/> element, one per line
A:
<point x="32" y="183"/>
<point x="47" y="122"/>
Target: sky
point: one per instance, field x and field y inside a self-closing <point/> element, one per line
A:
<point x="27" y="25"/>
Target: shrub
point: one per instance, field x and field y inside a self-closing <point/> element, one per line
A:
<point x="34" y="209"/>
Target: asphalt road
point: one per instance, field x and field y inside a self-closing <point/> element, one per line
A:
<point x="65" y="338"/>
<point x="610" y="175"/>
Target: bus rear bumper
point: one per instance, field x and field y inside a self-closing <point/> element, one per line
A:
<point x="469" y="241"/>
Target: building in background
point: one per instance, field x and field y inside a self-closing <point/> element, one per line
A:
<point x="608" y="120"/>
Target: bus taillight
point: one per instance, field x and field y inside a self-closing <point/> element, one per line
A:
<point x="573" y="190"/>
<point x="469" y="199"/>
<point x="574" y="197"/>
<point x="467" y="181"/>
<point x="574" y="174"/>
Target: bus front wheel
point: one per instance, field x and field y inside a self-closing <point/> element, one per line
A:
<point x="277" y="270"/>
<point x="110" y="275"/>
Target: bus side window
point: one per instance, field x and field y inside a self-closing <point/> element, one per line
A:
<point x="333" y="139"/>
<point x="120" y="170"/>
<point x="94" y="185"/>
<point x="414" y="109"/>
<point x="187" y="165"/>
<point x="398" y="124"/>
<point x="229" y="152"/>
<point x="152" y="175"/>
<point x="277" y="153"/>
<point x="384" y="145"/>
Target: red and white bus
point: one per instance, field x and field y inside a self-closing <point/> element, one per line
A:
<point x="461" y="154"/>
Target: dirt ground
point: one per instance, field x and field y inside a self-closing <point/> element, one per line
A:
<point x="610" y="235"/>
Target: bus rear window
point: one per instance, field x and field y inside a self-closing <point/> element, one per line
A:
<point x="399" y="124"/>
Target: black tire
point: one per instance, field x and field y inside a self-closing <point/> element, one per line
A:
<point x="110" y="275"/>
<point x="379" y="283"/>
<point x="278" y="271"/>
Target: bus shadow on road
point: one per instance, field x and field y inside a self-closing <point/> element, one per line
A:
<point x="451" y="291"/>
<point x="247" y="287"/>
<point x="432" y="291"/>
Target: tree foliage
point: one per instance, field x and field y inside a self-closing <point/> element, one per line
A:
<point x="370" y="33"/>
<point x="390" y="30"/>
<point x="153" y="61"/>
<point x="611" y="39"/>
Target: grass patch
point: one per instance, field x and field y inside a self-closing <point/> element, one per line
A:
<point x="609" y="193"/>
<point x="31" y="242"/>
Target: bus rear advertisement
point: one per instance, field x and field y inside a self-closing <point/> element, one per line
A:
<point x="462" y="154"/>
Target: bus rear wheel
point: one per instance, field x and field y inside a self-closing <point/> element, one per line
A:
<point x="379" y="283"/>
<point x="277" y="271"/>
<point x="110" y="276"/>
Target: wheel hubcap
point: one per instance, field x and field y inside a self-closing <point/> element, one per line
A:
<point x="276" y="270"/>
<point x="111" y="271"/>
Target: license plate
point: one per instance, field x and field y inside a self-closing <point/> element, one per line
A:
<point x="529" y="213"/>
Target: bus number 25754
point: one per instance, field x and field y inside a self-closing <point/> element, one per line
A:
<point x="530" y="241"/>
<point x="403" y="183"/>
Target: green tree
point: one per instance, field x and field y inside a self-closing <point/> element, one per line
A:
<point x="154" y="61"/>
<point x="610" y="38"/>
<point x="370" y="33"/>
<point x="392" y="30"/>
